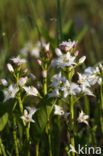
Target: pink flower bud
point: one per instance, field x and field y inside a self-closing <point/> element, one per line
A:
<point x="10" y="67"/>
<point x="48" y="54"/>
<point x="75" y="45"/>
<point x="58" y="52"/>
<point x="33" y="77"/>
<point x="4" y="82"/>
<point x="44" y="73"/>
<point x="19" y="64"/>
<point x="39" y="62"/>
<point x="82" y="59"/>
<point x="64" y="47"/>
<point x="25" y="70"/>
<point x="76" y="53"/>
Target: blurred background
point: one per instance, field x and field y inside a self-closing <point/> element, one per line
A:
<point x="52" y="21"/>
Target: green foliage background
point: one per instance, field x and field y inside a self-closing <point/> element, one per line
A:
<point x="33" y="20"/>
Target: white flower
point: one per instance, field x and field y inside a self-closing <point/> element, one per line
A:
<point x="22" y="81"/>
<point x="70" y="89"/>
<point x="58" y="52"/>
<point x="27" y="117"/>
<point x="10" y="67"/>
<point x="18" y="60"/>
<point x="86" y="90"/>
<point x="91" y="70"/>
<point x="84" y="84"/>
<point x="68" y="46"/>
<point x="46" y="46"/>
<point x="54" y="93"/>
<point x="58" y="110"/>
<point x="92" y="74"/>
<point x="31" y="90"/>
<point x="83" y="118"/>
<point x="10" y="92"/>
<point x="57" y="80"/>
<point x="83" y="80"/>
<point x="65" y="60"/>
<point x="35" y="52"/>
<point x="82" y="59"/>
<point x="31" y="110"/>
<point x="3" y="82"/>
<point x="93" y="79"/>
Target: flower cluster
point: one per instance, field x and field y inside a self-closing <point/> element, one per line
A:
<point x="56" y="95"/>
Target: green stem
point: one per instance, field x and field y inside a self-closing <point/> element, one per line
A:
<point x="49" y="139"/>
<point x="37" y="149"/>
<point x="14" y="136"/>
<point x="72" y="140"/>
<point x="19" y="96"/>
<point x="20" y="103"/>
<point x="28" y="139"/>
<point x="45" y="85"/>
<point x="67" y="151"/>
<point x="2" y="147"/>
<point x="48" y="126"/>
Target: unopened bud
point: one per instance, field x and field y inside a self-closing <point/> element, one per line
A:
<point x="33" y="76"/>
<point x="10" y="67"/>
<point x="64" y="47"/>
<point x="39" y="62"/>
<point x="75" y="45"/>
<point x="76" y="53"/>
<point x="58" y="52"/>
<point x="48" y="54"/>
<point x="82" y="59"/>
<point x="18" y="64"/>
<point x="4" y="82"/>
<point x="25" y="70"/>
<point x="44" y="73"/>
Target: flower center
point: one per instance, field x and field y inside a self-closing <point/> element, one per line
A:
<point x="65" y="59"/>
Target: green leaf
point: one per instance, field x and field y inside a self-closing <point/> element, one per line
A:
<point x="7" y="106"/>
<point x="3" y="121"/>
<point x="41" y="118"/>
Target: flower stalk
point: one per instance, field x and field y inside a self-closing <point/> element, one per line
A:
<point x="15" y="136"/>
<point x="2" y="148"/>
<point x="37" y="149"/>
<point x="72" y="140"/>
<point x="48" y="125"/>
<point x="28" y="138"/>
<point x="19" y="96"/>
